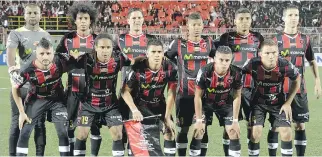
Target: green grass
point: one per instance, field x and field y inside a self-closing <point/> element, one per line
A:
<point x="215" y="132"/>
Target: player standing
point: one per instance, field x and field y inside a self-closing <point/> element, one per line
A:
<point x="133" y="44"/>
<point x="150" y="77"/>
<point x="75" y="45"/>
<point x="245" y="45"/>
<point x="214" y="84"/>
<point x="295" y="47"/>
<point x="44" y="94"/>
<point x="100" y="98"/>
<point x="190" y="55"/>
<point x="268" y="73"/>
<point x="20" y="47"/>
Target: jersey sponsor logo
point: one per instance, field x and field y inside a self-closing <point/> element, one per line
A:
<point x="97" y="77"/>
<point x="129" y="50"/>
<point x="64" y="114"/>
<point x="213" y="90"/>
<point x="146" y="86"/>
<point x="287" y="52"/>
<point x="267" y="84"/>
<point x="237" y="48"/>
<point x="28" y="51"/>
<point x="194" y="57"/>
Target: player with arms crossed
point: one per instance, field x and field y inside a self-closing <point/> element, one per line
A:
<point x="100" y="98"/>
<point x="295" y="46"/>
<point x="190" y="55"/>
<point x="268" y="73"/>
<point x="218" y="89"/>
<point x="20" y="47"/>
<point x="44" y="94"/>
<point x="77" y="46"/>
<point x="133" y="44"/>
<point x="245" y="45"/>
<point x="150" y="77"/>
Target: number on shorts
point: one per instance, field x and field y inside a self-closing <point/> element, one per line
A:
<point x="84" y="120"/>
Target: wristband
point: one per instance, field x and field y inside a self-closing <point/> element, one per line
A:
<point x="199" y="120"/>
<point x="235" y="120"/>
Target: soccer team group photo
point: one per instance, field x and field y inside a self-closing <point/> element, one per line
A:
<point x="160" y="78"/>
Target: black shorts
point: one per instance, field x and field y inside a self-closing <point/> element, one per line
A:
<point x="225" y="115"/>
<point x="245" y="104"/>
<point x="300" y="108"/>
<point x="185" y="110"/>
<point x="110" y="117"/>
<point x="37" y="108"/>
<point x="123" y="109"/>
<point x="259" y="111"/>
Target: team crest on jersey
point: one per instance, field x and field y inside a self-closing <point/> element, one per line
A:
<point x="203" y="45"/>
<point x="103" y="70"/>
<point x="230" y="79"/>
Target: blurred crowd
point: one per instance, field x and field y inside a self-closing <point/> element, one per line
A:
<point x="172" y="14"/>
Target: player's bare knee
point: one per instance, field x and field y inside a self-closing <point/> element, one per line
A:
<point x="198" y="135"/>
<point x="256" y="134"/>
<point x="233" y="135"/>
<point x="116" y="132"/>
<point x="299" y="126"/>
<point x="168" y="137"/>
<point x="286" y="133"/>
<point x="82" y="133"/>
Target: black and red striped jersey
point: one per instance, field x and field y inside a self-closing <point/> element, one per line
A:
<point x="190" y="57"/>
<point x="295" y="48"/>
<point x="44" y="83"/>
<point x="101" y="81"/>
<point x="151" y="84"/>
<point x="133" y="46"/>
<point x="217" y="89"/>
<point x="269" y="83"/>
<point x="243" y="48"/>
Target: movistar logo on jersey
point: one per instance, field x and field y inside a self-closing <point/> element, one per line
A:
<point x="237" y="48"/>
<point x="285" y="53"/>
<point x="28" y="51"/>
<point x="97" y="77"/>
<point x="146" y="86"/>
<point x="268" y="84"/>
<point x="126" y="50"/>
<point x="213" y="90"/>
<point x="193" y="57"/>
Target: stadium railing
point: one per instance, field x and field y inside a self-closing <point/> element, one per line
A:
<point x="53" y="23"/>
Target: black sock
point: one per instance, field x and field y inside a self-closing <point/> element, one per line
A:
<point x="204" y="144"/>
<point x="272" y="141"/>
<point x="72" y="140"/>
<point x="118" y="148"/>
<point x="40" y="150"/>
<point x="234" y="147"/>
<point x="182" y="143"/>
<point x="286" y="148"/>
<point x="249" y="134"/>
<point x="300" y="142"/>
<point x="253" y="148"/>
<point x="80" y="147"/>
<point x="169" y="148"/>
<point x="226" y="142"/>
<point x="96" y="141"/>
<point x="195" y="149"/>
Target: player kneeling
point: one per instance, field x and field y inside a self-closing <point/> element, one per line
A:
<point x="150" y="77"/>
<point x="269" y="72"/>
<point x="46" y="92"/>
<point x="100" y="96"/>
<point x="214" y="85"/>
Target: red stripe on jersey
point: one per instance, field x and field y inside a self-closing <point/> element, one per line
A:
<point x="40" y="77"/>
<point x="75" y="83"/>
<point x="191" y="65"/>
<point x="248" y="80"/>
<point x="214" y="80"/>
<point x="286" y="84"/>
<point x="172" y="85"/>
<point x="260" y="73"/>
<point x="286" y="41"/>
<point x="143" y="41"/>
<point x="148" y="76"/>
<point x="237" y="41"/>
<point x="250" y="55"/>
<point x="203" y="46"/>
<point x="130" y="56"/>
<point x="146" y="92"/>
<point x="95" y="101"/>
<point x="191" y="47"/>
<point x="274" y="74"/>
<point x="203" y="63"/>
<point x="299" y="41"/>
<point x="108" y="100"/>
<point x="250" y="39"/>
<point x="97" y="84"/>
<point x="237" y="56"/>
<point x="157" y="92"/>
<point x="111" y="66"/>
<point x="298" y="61"/>
<point x="89" y="42"/>
<point x="128" y="40"/>
<point x="273" y="89"/>
<point x="52" y="70"/>
<point x="76" y="42"/>
<point x="226" y="83"/>
<point x="191" y="87"/>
